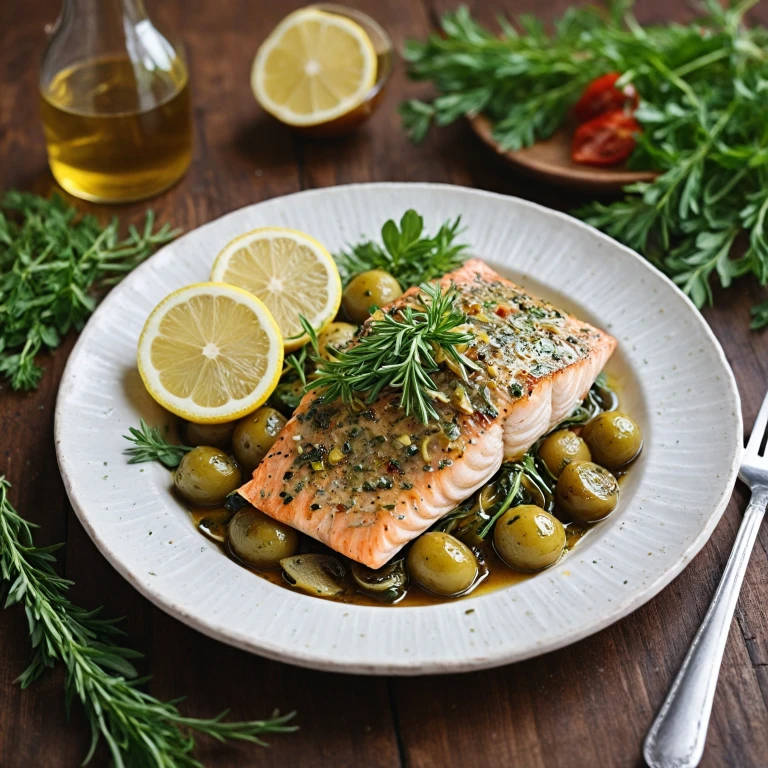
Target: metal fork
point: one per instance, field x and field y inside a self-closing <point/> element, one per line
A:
<point x="677" y="736"/>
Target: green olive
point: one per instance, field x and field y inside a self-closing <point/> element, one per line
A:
<point x="562" y="447"/>
<point x="217" y="435"/>
<point x="255" y="435"/>
<point x="206" y="476"/>
<point x="367" y="289"/>
<point x="260" y="541"/>
<point x="586" y="492"/>
<point x="528" y="539"/>
<point x="336" y="335"/>
<point x="442" y="564"/>
<point x="613" y="438"/>
<point x="287" y="396"/>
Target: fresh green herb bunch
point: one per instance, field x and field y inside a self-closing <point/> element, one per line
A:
<point x="703" y="89"/>
<point x="398" y="350"/>
<point x="409" y="255"/>
<point x="53" y="263"/>
<point x="138" y="729"/>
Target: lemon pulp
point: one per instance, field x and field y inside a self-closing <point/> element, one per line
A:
<point x="313" y="68"/>
<point x="210" y="353"/>
<point x="290" y="272"/>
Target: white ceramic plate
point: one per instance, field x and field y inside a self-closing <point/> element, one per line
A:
<point x="675" y="379"/>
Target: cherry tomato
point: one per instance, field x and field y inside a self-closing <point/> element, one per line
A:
<point x="601" y="95"/>
<point x="606" y="139"/>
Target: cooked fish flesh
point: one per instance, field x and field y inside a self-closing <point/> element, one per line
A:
<point x="365" y="481"/>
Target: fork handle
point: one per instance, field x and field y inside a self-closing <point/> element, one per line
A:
<point x="676" y="738"/>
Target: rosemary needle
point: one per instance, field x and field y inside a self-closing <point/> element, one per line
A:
<point x="398" y="351"/>
<point x="137" y="728"/>
<point x="150" y="445"/>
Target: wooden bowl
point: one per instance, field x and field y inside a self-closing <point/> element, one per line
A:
<point x="551" y="160"/>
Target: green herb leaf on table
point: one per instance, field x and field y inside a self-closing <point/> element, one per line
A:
<point x="399" y="351"/>
<point x="151" y="445"/>
<point x="53" y="265"/>
<point x="703" y="89"/>
<point x="137" y="728"/>
<point x="408" y="254"/>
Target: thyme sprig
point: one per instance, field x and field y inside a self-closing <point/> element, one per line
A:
<point x="399" y="351"/>
<point x="138" y="729"/>
<point x="408" y="254"/>
<point x="150" y="445"/>
<point x="53" y="264"/>
<point x="703" y="89"/>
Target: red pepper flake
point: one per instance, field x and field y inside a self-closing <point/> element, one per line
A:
<point x="503" y="311"/>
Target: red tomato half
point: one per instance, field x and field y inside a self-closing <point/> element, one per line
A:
<point x="601" y="95"/>
<point x="605" y="140"/>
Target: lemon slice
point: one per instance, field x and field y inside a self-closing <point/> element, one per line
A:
<point x="313" y="68"/>
<point x="210" y="353"/>
<point x="290" y="272"/>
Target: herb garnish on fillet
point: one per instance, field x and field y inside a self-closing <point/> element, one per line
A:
<point x="400" y="350"/>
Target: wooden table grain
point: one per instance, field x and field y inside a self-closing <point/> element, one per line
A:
<point x="587" y="705"/>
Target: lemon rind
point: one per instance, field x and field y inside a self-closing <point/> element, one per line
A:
<point x="294" y="119"/>
<point x="235" y="408"/>
<point x="331" y="309"/>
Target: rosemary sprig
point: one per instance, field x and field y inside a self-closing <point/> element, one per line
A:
<point x="151" y="445"/>
<point x="53" y="264"/>
<point x="408" y="254"/>
<point x="138" y="729"/>
<point x="703" y="89"/>
<point x="399" y="351"/>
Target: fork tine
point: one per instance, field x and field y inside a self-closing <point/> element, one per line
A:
<point x="758" y="431"/>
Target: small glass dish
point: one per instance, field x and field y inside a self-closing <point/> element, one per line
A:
<point x="382" y="44"/>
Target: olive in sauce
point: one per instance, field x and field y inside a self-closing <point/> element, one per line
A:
<point x="562" y="447"/>
<point x="206" y="476"/>
<point x="255" y="434"/>
<point x="442" y="564"/>
<point x="374" y="288"/>
<point x="613" y="438"/>
<point x="586" y="492"/>
<point x="260" y="541"/>
<point x="527" y="538"/>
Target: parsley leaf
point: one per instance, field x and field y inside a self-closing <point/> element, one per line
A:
<point x="408" y="254"/>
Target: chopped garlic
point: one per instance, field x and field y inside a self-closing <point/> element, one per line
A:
<point x="462" y="401"/>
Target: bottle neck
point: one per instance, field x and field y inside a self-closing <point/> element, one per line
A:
<point x="112" y="22"/>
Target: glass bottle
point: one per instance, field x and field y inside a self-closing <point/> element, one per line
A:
<point x="115" y="102"/>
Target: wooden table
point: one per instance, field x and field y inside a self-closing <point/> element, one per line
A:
<point x="587" y="705"/>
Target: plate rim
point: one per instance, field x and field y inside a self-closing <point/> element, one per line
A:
<point x="405" y="666"/>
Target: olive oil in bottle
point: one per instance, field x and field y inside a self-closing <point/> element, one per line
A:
<point x="114" y="134"/>
<point x="115" y="102"/>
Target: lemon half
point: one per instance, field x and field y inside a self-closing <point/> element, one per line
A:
<point x="313" y="68"/>
<point x="290" y="272"/>
<point x="210" y="353"/>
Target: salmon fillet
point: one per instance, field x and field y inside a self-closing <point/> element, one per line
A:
<point x="366" y="482"/>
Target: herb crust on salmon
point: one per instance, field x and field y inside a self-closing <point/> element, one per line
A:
<point x="366" y="478"/>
